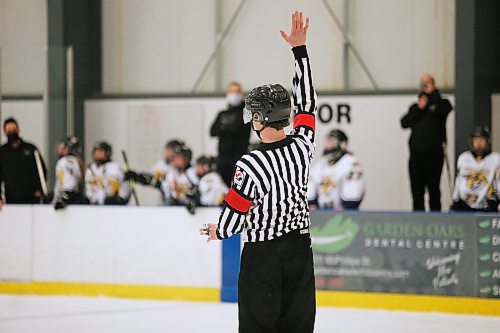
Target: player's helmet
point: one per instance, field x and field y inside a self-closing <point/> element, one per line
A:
<point x="208" y="162"/>
<point x="335" y="144"/>
<point x="104" y="146"/>
<point x="336" y="140"/>
<point x="73" y="145"/>
<point x="184" y="151"/>
<point x="267" y="104"/>
<point x="480" y="132"/>
<point x="174" y="143"/>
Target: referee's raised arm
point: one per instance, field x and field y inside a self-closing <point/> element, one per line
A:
<point x="303" y="93"/>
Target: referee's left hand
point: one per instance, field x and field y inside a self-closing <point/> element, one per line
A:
<point x="209" y="230"/>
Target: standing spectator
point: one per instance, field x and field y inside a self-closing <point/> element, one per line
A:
<point x="478" y="176"/>
<point x="427" y="120"/>
<point x="104" y="179"/>
<point x="18" y="167"/>
<point x="232" y="132"/>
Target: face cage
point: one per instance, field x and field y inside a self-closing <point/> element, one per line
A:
<point x="249" y="116"/>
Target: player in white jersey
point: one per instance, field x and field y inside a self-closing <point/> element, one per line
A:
<point x="336" y="180"/>
<point x="211" y="189"/>
<point x="478" y="176"/>
<point x="104" y="179"/>
<point x="156" y="174"/>
<point x="182" y="178"/>
<point x="68" y="185"/>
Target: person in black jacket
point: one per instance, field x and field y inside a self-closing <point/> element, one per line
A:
<point x="427" y="120"/>
<point x="232" y="132"/>
<point x="18" y="168"/>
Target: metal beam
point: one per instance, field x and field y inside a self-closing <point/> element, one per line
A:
<point x="350" y="44"/>
<point x="218" y="46"/>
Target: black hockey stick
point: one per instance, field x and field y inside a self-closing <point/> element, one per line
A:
<point x="132" y="182"/>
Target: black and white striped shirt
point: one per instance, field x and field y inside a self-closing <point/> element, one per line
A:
<point x="268" y="197"/>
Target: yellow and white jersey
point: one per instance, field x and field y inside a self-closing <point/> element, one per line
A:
<point x="177" y="184"/>
<point x="212" y="189"/>
<point x="159" y="170"/>
<point x="332" y="183"/>
<point x="68" y="175"/>
<point x="477" y="179"/>
<point x="106" y="180"/>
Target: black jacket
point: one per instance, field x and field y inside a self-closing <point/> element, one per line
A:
<point x="428" y="126"/>
<point x="18" y="172"/>
<point x="232" y="132"/>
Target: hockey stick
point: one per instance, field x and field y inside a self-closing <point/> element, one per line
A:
<point x="448" y="171"/>
<point x="132" y="182"/>
<point x="41" y="175"/>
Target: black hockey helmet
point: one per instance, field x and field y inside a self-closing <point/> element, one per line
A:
<point x="336" y="143"/>
<point x="104" y="146"/>
<point x="73" y="145"/>
<point x="208" y="162"/>
<point x="480" y="132"/>
<point x="184" y="151"/>
<point x="267" y="104"/>
<point x="336" y="139"/>
<point x="174" y="143"/>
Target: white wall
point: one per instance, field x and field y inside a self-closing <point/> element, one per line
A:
<point x="23" y="38"/>
<point x="139" y="246"/>
<point x="32" y="122"/>
<point x="160" y="46"/>
<point x="143" y="126"/>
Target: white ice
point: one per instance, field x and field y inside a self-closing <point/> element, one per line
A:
<point x="48" y="314"/>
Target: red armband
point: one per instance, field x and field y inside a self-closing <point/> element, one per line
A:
<point x="237" y="201"/>
<point x="304" y="119"/>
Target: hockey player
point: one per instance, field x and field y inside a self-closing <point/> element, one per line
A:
<point x="478" y="176"/>
<point x="157" y="173"/>
<point x="104" y="179"/>
<point x="211" y="189"/>
<point x="68" y="187"/>
<point x="182" y="178"/>
<point x="337" y="178"/>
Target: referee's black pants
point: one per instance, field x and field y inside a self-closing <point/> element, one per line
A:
<point x="425" y="173"/>
<point x="276" y="290"/>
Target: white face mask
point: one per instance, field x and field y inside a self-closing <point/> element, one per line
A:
<point x="234" y="99"/>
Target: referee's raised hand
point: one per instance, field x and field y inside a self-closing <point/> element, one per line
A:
<point x="298" y="31"/>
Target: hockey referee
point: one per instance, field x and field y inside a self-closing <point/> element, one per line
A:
<point x="268" y="204"/>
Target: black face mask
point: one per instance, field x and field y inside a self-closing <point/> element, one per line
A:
<point x="12" y="137"/>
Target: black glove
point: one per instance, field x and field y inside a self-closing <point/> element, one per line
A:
<point x="138" y="177"/>
<point x="491" y="206"/>
<point x="116" y="200"/>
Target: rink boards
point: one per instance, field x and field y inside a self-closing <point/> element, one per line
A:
<point x="156" y="253"/>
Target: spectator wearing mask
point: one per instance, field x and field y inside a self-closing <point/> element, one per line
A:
<point x="18" y="168"/>
<point x="427" y="120"/>
<point x="232" y="132"/>
<point x="104" y="179"/>
<point x="478" y="176"/>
